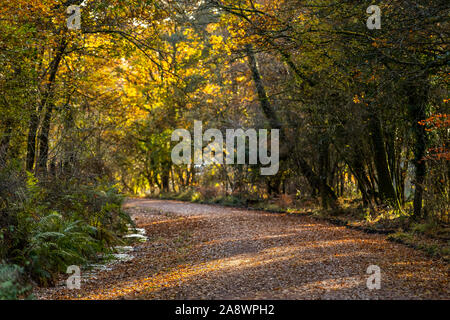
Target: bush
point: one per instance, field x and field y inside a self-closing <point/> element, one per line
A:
<point x="47" y="226"/>
<point x="425" y="228"/>
<point x="284" y="201"/>
<point x="12" y="285"/>
<point x="231" y="201"/>
<point x="208" y="193"/>
<point x="185" y="195"/>
<point x="56" y="243"/>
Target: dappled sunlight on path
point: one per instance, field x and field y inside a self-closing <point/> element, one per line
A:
<point x="211" y="252"/>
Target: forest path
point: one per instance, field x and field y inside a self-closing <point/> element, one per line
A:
<point x="199" y="251"/>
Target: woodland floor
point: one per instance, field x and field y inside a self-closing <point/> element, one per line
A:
<point x="199" y="251"/>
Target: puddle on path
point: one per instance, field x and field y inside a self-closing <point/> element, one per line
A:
<point x="122" y="254"/>
<point x="139" y="235"/>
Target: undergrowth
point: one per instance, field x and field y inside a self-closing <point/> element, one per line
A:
<point x="46" y="226"/>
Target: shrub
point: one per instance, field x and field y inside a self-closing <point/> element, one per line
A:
<point x="424" y="228"/>
<point x="47" y="226"/>
<point x="56" y="243"/>
<point x="12" y="285"/>
<point x="231" y="201"/>
<point x="208" y="193"/>
<point x="284" y="201"/>
<point x="185" y="195"/>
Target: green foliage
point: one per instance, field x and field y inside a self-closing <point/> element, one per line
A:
<point x="186" y="195"/>
<point x="49" y="226"/>
<point x="230" y="201"/>
<point x="401" y="237"/>
<point x="12" y="286"/>
<point x="196" y="197"/>
<point x="431" y="248"/>
<point x="56" y="243"/>
<point x="424" y="228"/>
<point x="350" y="103"/>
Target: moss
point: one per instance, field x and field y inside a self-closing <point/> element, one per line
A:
<point x="401" y="237"/>
<point x="436" y="250"/>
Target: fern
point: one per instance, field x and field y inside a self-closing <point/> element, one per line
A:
<point x="12" y="286"/>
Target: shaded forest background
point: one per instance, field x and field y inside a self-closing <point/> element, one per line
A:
<point x="87" y="115"/>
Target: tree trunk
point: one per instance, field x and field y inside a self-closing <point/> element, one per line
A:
<point x="417" y="99"/>
<point x="271" y="116"/>
<point x="385" y="185"/>
<point x="44" y="140"/>
<point x="165" y="177"/>
<point x="46" y="102"/>
<point x="68" y="147"/>
<point x="324" y="168"/>
<point x="4" y="143"/>
<point x="31" y="140"/>
<point x="262" y="95"/>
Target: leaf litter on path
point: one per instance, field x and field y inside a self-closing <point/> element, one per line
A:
<point x="210" y="252"/>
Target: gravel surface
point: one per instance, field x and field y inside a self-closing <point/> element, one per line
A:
<point x="199" y="251"/>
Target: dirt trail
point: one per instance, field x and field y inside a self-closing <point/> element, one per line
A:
<point x="211" y="252"/>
